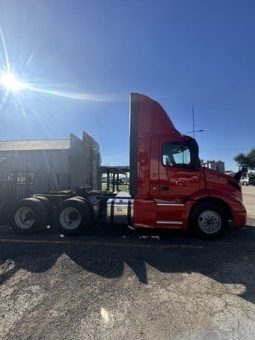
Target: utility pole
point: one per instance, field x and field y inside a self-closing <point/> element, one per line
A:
<point x="193" y="120"/>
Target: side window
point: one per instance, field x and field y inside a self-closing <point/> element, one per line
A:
<point x="176" y="154"/>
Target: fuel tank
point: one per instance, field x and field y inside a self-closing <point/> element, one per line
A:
<point x="120" y="211"/>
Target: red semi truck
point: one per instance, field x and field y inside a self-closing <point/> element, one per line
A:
<point x="168" y="187"/>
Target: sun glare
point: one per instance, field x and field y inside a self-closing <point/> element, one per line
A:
<point x="10" y="82"/>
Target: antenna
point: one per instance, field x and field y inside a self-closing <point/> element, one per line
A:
<point x="193" y="120"/>
<point x="193" y="124"/>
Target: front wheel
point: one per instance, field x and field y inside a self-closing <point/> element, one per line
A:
<point x="209" y="220"/>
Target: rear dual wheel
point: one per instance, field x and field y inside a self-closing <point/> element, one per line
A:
<point x="73" y="216"/>
<point x="32" y="214"/>
<point x="29" y="216"/>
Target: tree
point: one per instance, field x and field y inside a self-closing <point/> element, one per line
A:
<point x="246" y="160"/>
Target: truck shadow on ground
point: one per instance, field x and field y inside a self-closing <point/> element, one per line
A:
<point x="230" y="260"/>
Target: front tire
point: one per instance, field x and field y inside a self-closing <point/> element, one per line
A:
<point x="209" y="220"/>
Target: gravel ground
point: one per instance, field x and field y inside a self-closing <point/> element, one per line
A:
<point x="120" y="284"/>
<point x="249" y="200"/>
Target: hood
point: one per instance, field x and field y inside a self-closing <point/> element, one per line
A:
<point x="225" y="182"/>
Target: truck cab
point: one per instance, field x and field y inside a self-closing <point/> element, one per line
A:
<point x="169" y="187"/>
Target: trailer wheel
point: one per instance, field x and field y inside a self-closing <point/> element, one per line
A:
<point x="74" y="216"/>
<point x="209" y="220"/>
<point x="29" y="216"/>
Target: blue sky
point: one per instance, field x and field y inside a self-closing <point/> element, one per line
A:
<point x="179" y="52"/>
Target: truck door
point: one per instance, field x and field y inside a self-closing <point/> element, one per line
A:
<point x="178" y="179"/>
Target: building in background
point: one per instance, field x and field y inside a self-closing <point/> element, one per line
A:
<point x="215" y="165"/>
<point x="37" y="166"/>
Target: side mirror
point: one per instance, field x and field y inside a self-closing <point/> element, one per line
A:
<point x="194" y="161"/>
<point x="238" y="176"/>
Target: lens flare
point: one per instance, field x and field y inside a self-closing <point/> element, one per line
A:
<point x="10" y="82"/>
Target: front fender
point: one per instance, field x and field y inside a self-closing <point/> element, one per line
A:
<point x="234" y="202"/>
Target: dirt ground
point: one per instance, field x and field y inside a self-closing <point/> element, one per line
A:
<point x="117" y="283"/>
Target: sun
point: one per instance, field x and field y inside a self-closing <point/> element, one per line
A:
<point x="10" y="82"/>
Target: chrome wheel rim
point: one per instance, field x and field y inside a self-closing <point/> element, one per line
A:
<point x="209" y="221"/>
<point x="70" y="218"/>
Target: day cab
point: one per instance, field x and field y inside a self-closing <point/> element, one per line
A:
<point x="169" y="187"/>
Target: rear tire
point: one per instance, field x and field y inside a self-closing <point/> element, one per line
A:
<point x="209" y="220"/>
<point x="29" y="216"/>
<point x="74" y="216"/>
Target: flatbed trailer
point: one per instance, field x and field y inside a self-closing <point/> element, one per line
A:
<point x="168" y="187"/>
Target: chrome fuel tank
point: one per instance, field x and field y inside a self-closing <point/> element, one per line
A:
<point x="120" y="211"/>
